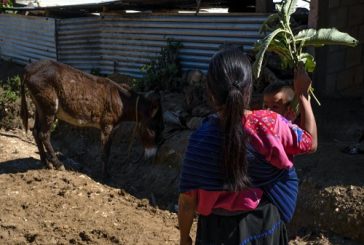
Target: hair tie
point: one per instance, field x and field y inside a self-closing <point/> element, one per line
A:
<point x="236" y="84"/>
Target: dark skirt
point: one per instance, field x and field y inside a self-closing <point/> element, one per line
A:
<point x="262" y="226"/>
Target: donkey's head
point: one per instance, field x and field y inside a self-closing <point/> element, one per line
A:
<point x="151" y="123"/>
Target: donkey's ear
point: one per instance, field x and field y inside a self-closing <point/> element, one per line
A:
<point x="154" y="99"/>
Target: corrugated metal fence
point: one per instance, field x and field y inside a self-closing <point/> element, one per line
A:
<point x="124" y="43"/>
<point x="24" y="39"/>
<point x="79" y="43"/>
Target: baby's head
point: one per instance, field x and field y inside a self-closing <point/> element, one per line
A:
<point x="277" y="97"/>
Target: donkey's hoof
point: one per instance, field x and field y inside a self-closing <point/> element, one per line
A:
<point x="48" y="165"/>
<point x="57" y="164"/>
<point x="60" y="167"/>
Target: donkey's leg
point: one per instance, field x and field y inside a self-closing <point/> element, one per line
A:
<point x="45" y="136"/>
<point x="35" y="131"/>
<point x="106" y="139"/>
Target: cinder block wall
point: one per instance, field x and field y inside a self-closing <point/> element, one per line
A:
<point x="340" y="71"/>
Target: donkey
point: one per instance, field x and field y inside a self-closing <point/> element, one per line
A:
<point x="83" y="100"/>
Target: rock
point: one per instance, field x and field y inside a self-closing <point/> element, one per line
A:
<point x="173" y="149"/>
<point x="173" y="102"/>
<point x="194" y="90"/>
<point x="194" y="96"/>
<point x="194" y="122"/>
<point x="201" y="111"/>
<point x="337" y="191"/>
<point x="194" y="78"/>
<point x="172" y="119"/>
<point x="143" y="203"/>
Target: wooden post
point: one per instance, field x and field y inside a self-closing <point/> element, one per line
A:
<point x="313" y="15"/>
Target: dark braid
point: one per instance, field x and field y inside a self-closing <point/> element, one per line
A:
<point x="230" y="84"/>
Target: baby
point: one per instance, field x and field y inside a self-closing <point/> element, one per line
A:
<point x="278" y="97"/>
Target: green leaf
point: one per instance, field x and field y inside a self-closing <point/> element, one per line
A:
<point x="270" y="23"/>
<point x="257" y="66"/>
<point x="325" y="37"/>
<point x="309" y="61"/>
<point x="289" y="8"/>
<point x="257" y="45"/>
<point x="286" y="63"/>
<point x="279" y="7"/>
<point x="277" y="46"/>
<point x="305" y="34"/>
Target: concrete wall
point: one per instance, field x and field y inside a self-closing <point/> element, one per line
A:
<point x="340" y="71"/>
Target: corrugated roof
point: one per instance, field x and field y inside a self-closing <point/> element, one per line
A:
<point x="78" y="5"/>
<point x="96" y="5"/>
<point x="57" y="3"/>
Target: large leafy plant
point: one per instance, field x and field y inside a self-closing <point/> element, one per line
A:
<point x="290" y="47"/>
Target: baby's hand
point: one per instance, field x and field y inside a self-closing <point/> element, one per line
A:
<point x="302" y="81"/>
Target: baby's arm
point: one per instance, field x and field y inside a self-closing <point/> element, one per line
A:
<point x="302" y="82"/>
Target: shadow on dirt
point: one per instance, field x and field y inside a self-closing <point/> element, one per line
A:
<point x="21" y="165"/>
<point x="79" y="150"/>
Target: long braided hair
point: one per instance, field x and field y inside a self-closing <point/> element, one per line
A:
<point x="229" y="83"/>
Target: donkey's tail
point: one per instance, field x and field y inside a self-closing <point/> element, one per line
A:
<point x="24" y="107"/>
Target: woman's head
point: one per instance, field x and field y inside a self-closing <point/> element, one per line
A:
<point x="229" y="83"/>
<point x="229" y="70"/>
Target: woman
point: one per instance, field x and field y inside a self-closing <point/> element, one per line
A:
<point x="238" y="173"/>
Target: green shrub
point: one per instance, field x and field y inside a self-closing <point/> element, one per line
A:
<point x="163" y="71"/>
<point x="10" y="103"/>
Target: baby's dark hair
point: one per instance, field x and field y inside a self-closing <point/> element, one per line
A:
<point x="279" y="86"/>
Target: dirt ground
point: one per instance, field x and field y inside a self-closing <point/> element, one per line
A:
<point x="66" y="207"/>
<point x="41" y="206"/>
